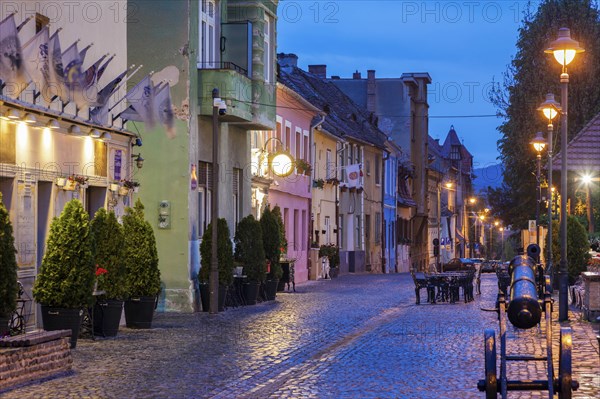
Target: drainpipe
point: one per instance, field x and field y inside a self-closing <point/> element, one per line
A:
<point x="383" y="235"/>
<point x="311" y="222"/>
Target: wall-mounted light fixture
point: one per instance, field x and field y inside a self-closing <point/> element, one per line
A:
<point x="139" y="161"/>
<point x="52" y="124"/>
<point x="95" y="133"/>
<point x="75" y="130"/>
<point x="106" y="136"/>
<point x="29" y="118"/>
<point x="10" y="115"/>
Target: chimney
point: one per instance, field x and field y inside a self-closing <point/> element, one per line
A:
<point x="318" y="70"/>
<point x="356" y="75"/>
<point x="287" y="60"/>
<point x="371" y="91"/>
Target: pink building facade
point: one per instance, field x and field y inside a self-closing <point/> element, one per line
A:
<point x="293" y="193"/>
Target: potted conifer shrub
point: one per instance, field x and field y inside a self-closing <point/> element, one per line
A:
<point x="284" y="262"/>
<point x="249" y="252"/>
<point x="8" y="270"/>
<point x="272" y="246"/>
<point x="142" y="276"/>
<point x="225" y="263"/>
<point x="65" y="282"/>
<point x="107" y="235"/>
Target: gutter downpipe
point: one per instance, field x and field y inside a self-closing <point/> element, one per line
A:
<point x="383" y="233"/>
<point x="312" y="161"/>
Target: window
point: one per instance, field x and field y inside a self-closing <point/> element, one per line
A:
<point x="278" y="131"/>
<point x="298" y="144"/>
<point x="305" y="148"/>
<point x="303" y="233"/>
<point x="377" y="227"/>
<point x="208" y="33"/>
<point x="368" y="167"/>
<point x="328" y="165"/>
<point x="295" y="229"/>
<point x="204" y="195"/>
<point x="237" y="203"/>
<point x="288" y="137"/>
<point x="377" y="169"/>
<point x="327" y="230"/>
<point x="368" y="228"/>
<point x="341" y="231"/>
<point x="268" y="49"/>
<point x="357" y="235"/>
<point x="455" y="152"/>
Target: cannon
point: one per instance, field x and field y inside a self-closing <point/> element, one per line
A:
<point x="530" y="296"/>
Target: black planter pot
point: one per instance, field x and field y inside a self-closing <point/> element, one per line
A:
<point x="139" y="312"/>
<point x="271" y="289"/>
<point x="4" y="327"/>
<point x="250" y="291"/>
<point x="205" y="297"/>
<point x="107" y="316"/>
<point x="281" y="285"/>
<point x="333" y="272"/>
<point x="62" y="319"/>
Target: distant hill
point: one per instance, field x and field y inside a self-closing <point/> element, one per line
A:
<point x="488" y="176"/>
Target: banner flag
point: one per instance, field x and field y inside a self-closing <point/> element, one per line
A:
<point x="12" y="70"/>
<point x="107" y="91"/>
<point x="163" y="109"/>
<point x="56" y="78"/>
<point x="353" y="173"/>
<point x="141" y="97"/>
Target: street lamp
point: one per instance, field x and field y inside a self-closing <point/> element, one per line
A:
<point x="502" y="244"/>
<point x="213" y="278"/>
<point x="550" y="108"/>
<point x="539" y="143"/>
<point x="564" y="50"/>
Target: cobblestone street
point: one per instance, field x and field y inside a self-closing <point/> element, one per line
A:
<point x="357" y="336"/>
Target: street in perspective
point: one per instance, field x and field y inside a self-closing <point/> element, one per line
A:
<point x="359" y="336"/>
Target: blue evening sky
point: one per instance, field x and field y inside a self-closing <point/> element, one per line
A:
<point x="463" y="45"/>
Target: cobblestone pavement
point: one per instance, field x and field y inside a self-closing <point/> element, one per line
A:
<point x="354" y="337"/>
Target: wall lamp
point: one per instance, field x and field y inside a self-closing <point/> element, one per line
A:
<point x="95" y="133"/>
<point x="281" y="162"/>
<point x="10" y="115"/>
<point x="52" y="124"/>
<point x="139" y="161"/>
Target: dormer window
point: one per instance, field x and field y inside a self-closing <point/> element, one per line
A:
<point x="455" y="153"/>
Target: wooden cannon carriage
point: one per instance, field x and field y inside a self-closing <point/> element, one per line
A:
<point x="530" y="296"/>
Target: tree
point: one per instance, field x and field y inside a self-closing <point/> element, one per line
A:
<point x="577" y="247"/>
<point x="249" y="249"/>
<point x="108" y="241"/>
<point x="8" y="264"/>
<point x="271" y="242"/>
<point x="528" y="78"/>
<point x="66" y="277"/>
<point x="140" y="255"/>
<point x="224" y="254"/>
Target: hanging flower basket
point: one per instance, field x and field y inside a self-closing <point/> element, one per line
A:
<point x="61" y="181"/>
<point x="114" y="187"/>
<point x="123" y="191"/>
<point x="70" y="185"/>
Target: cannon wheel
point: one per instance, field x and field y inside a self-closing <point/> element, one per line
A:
<point x="564" y="364"/>
<point x="491" y="380"/>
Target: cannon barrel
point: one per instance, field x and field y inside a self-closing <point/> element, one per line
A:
<point x="524" y="310"/>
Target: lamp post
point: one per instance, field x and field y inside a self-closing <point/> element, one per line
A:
<point x="472" y="201"/>
<point x="502" y="244"/>
<point x="564" y="50"/>
<point x="550" y="108"/>
<point x="539" y="143"/>
<point x="213" y="278"/>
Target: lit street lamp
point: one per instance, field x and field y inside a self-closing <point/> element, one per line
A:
<point x="550" y="108"/>
<point x="539" y="143"/>
<point x="564" y="50"/>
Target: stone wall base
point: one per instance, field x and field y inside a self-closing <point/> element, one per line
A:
<point x="25" y="364"/>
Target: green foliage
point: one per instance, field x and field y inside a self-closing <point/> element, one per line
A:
<point x="531" y="75"/>
<point x="332" y="252"/>
<point x="224" y="254"/>
<point x="108" y="240"/>
<point x="249" y="250"/>
<point x="271" y="242"/>
<point x="140" y="257"/>
<point x="8" y="264"/>
<point x="577" y="247"/>
<point x="283" y="241"/>
<point x="67" y="274"/>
